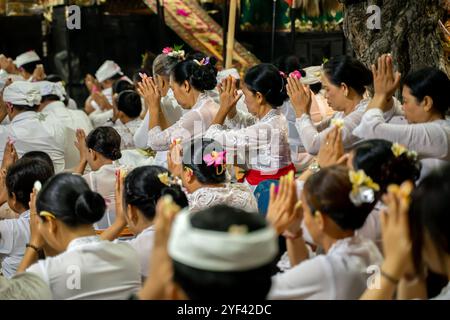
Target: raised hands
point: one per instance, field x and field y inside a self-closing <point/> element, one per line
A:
<point x="36" y="238"/>
<point x="284" y="211"/>
<point x="9" y="154"/>
<point x="331" y="151"/>
<point x="81" y="145"/>
<point x="228" y="94"/>
<point x="300" y="96"/>
<point x="385" y="81"/>
<point x="148" y="89"/>
<point x="101" y="100"/>
<point x="395" y="230"/>
<point x="174" y="159"/>
<point x="39" y="73"/>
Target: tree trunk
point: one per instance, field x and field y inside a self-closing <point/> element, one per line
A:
<point x="409" y="31"/>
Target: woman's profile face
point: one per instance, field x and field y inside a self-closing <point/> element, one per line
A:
<point x="414" y="112"/>
<point x="180" y="93"/>
<point x="309" y="221"/>
<point x="163" y="84"/>
<point x="251" y="100"/>
<point x="335" y="95"/>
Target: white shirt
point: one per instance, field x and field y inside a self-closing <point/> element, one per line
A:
<point x="172" y="112"/>
<point x="14" y="235"/>
<point x="444" y="295"/>
<point x="429" y="140"/>
<point x="237" y="195"/>
<point x="31" y="132"/>
<point x="99" y="117"/>
<point x="372" y="226"/>
<point x="126" y="132"/>
<point x="313" y="135"/>
<point x="103" y="181"/>
<point x="73" y="119"/>
<point x="143" y="244"/>
<point x="91" y="268"/>
<point x="341" y="274"/>
<point x="262" y="144"/>
<point x="191" y="125"/>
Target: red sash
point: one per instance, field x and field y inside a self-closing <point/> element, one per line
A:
<point x="254" y="177"/>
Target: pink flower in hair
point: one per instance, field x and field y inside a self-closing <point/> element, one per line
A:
<point x="167" y="50"/>
<point x="295" y="74"/>
<point x="215" y="158"/>
<point x="282" y="74"/>
<point x="182" y="12"/>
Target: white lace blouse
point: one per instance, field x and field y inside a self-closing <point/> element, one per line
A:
<point x="341" y="274"/>
<point x="191" y="125"/>
<point x="313" y="135"/>
<point x="236" y="195"/>
<point x="259" y="144"/>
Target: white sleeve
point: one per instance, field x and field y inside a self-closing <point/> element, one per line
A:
<point x="311" y="279"/>
<point x="172" y="111"/>
<point x="99" y="118"/>
<point x="184" y="129"/>
<point x="39" y="269"/>
<point x="312" y="136"/>
<point x="251" y="138"/>
<point x="429" y="140"/>
<point x="6" y="236"/>
<point x="240" y="120"/>
<point x="141" y="135"/>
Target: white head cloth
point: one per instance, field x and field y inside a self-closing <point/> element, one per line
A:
<point x="27" y="57"/>
<point x="107" y="70"/>
<point x="47" y="88"/>
<point x="220" y="251"/>
<point x="313" y="75"/>
<point x="227" y="72"/>
<point x="3" y="78"/>
<point x="22" y="93"/>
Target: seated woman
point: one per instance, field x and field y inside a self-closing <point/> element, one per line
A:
<point x="264" y="133"/>
<point x="137" y="196"/>
<point x="15" y="233"/>
<point x="100" y="149"/>
<point x="425" y="103"/>
<point x="189" y="80"/>
<point x="162" y="67"/>
<point x="216" y="254"/>
<point x="344" y="80"/>
<point x="86" y="267"/>
<point x="127" y="107"/>
<point x="204" y="176"/>
<point x="415" y="238"/>
<point x="335" y="203"/>
<point x="389" y="164"/>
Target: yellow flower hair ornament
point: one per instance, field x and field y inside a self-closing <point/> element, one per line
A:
<point x="363" y="188"/>
<point x="398" y="150"/>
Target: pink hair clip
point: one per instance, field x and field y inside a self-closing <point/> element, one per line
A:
<point x="295" y="74"/>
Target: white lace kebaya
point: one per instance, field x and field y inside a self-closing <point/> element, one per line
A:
<point x="260" y="145"/>
<point x="191" y="125"/>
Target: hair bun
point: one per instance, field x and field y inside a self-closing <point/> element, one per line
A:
<point x="115" y="154"/>
<point x="89" y="207"/>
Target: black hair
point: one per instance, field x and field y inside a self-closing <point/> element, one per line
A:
<point x="41" y="155"/>
<point x="193" y="154"/>
<point x="122" y="85"/>
<point x="25" y="108"/>
<point x="201" y="77"/>
<point x="22" y="175"/>
<point x="288" y="64"/>
<point x="328" y="191"/>
<point x="54" y="78"/>
<point x="106" y="141"/>
<point x="129" y="102"/>
<point x="116" y="77"/>
<point x="348" y="70"/>
<point x="69" y="198"/>
<point x="213" y="285"/>
<point x="30" y="66"/>
<point x="143" y="189"/>
<point x="50" y="97"/>
<point x="429" y="212"/>
<point x="266" y="79"/>
<point x="376" y="158"/>
<point x="433" y="83"/>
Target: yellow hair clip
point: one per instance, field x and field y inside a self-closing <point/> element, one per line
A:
<point x="47" y="214"/>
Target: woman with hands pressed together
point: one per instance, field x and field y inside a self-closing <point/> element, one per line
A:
<point x="258" y="140"/>
<point x="331" y="219"/>
<point x="425" y="104"/>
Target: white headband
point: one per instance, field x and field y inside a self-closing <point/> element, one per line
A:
<point x="312" y="76"/>
<point x="220" y="251"/>
<point x="107" y="70"/>
<point x="51" y="88"/>
<point x="22" y="93"/>
<point x="26" y="57"/>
